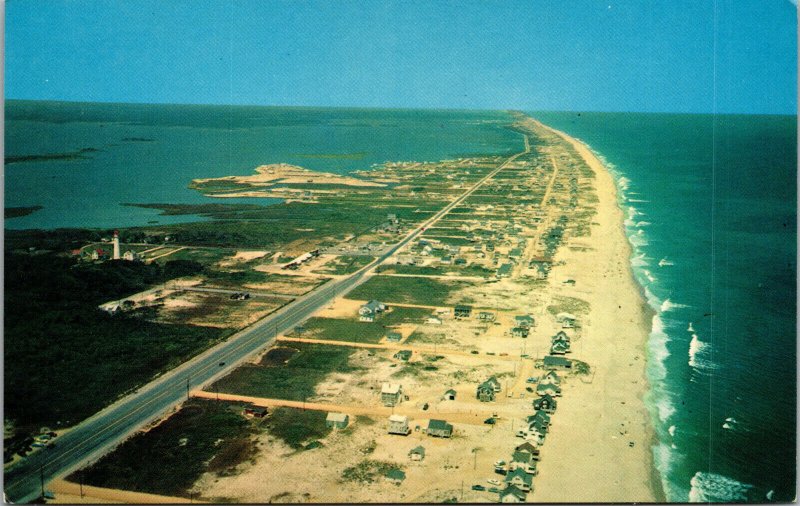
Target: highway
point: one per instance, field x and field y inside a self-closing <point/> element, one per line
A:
<point x="106" y="429"/>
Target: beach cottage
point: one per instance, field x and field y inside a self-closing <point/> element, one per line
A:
<point x="512" y="494"/>
<point x="369" y="311"/>
<point x="520" y="479"/>
<point x="391" y="394"/>
<point x="417" y="454"/>
<point x="554" y="362"/>
<point x="485" y="392"/>
<point x="545" y="403"/>
<point x="398" y="424"/>
<point x="439" y="428"/>
<point x="337" y="420"/>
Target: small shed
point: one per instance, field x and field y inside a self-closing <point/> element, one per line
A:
<point x="439" y="428"/>
<point x="417" y="453"/>
<point x="433" y="320"/>
<point x="450" y="395"/>
<point x="337" y="420"/>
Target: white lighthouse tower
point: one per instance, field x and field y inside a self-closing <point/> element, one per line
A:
<point x="116" y="244"/>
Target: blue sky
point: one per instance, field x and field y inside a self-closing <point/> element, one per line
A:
<point x="580" y="55"/>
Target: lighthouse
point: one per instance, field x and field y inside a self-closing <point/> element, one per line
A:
<point x="116" y="244"/>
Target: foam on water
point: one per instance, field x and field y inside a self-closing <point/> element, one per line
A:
<point x="711" y="487"/>
<point x="668" y="305"/>
<point x="698" y="354"/>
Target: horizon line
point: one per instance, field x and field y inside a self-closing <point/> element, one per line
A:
<point x="401" y="108"/>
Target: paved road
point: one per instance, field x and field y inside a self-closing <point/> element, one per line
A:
<point x="107" y="428"/>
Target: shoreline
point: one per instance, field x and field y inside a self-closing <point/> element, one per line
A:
<point x="621" y="284"/>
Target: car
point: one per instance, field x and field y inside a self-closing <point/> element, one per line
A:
<point x="474" y="352"/>
<point x="493" y="481"/>
<point x="478" y="487"/>
<point x="529" y="389"/>
<point x="532" y="379"/>
<point x="495" y="490"/>
<point x="221" y="364"/>
<point x="490" y="421"/>
<point x="500" y="463"/>
<point x="425" y="407"/>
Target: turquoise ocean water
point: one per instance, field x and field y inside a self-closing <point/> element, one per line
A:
<point x="150" y="153"/>
<point x="711" y="214"/>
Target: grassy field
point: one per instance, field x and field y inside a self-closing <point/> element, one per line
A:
<point x="297" y="427"/>
<point x="339" y="329"/>
<point x="345" y="264"/>
<point x="294" y="380"/>
<point x="423" y="291"/>
<point x="203" y="436"/>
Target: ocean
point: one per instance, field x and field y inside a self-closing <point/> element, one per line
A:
<point x="82" y="161"/>
<point x="711" y="205"/>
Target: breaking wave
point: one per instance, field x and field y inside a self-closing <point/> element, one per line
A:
<point x="710" y="487"/>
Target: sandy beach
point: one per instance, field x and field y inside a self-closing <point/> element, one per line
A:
<point x="602" y="429"/>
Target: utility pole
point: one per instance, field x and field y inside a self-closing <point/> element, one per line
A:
<point x="187" y="387"/>
<point x="41" y="479"/>
<point x="80" y="483"/>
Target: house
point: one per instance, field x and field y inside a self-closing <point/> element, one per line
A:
<point x="398" y="424"/>
<point x="450" y="395"/>
<point x="559" y="348"/>
<point x="417" y="454"/>
<point x="460" y="261"/>
<point x="551" y="378"/>
<point x="447" y="259"/>
<point x="560" y="337"/>
<point x="255" y="412"/>
<point x="485" y="392"/>
<point x="369" y="311"/>
<point x="524" y="461"/>
<point x="566" y="320"/>
<point x="439" y="428"/>
<point x="395" y="476"/>
<point x="548" y="389"/>
<point x="504" y="271"/>
<point x="524" y="321"/>
<point x="495" y="383"/>
<point x="130" y="256"/>
<point x="520" y="331"/>
<point x="462" y="311"/>
<point x="486" y="316"/>
<point x="391" y="394"/>
<point x="545" y="403"/>
<point x="538" y="424"/>
<point x="403" y="355"/>
<point x="433" y="320"/>
<point x="512" y="494"/>
<point x="394" y="337"/>
<point x="543" y="417"/>
<point x="337" y="420"/>
<point x="527" y="447"/>
<point x="552" y="362"/>
<point x="520" y="479"/>
<point x="515" y="253"/>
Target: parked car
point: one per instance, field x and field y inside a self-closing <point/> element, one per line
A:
<point x="478" y="487"/>
<point x="490" y="421"/>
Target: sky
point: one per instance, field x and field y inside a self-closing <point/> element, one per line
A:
<point x="727" y="56"/>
